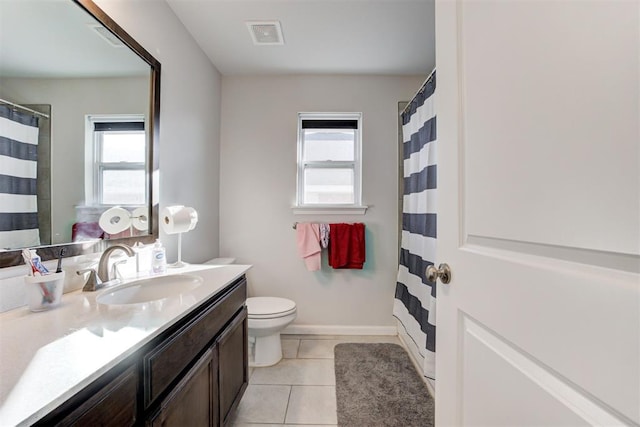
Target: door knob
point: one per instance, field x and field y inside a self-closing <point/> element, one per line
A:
<point x="443" y="272"/>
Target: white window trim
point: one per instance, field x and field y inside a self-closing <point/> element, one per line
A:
<point x="91" y="175"/>
<point x="357" y="208"/>
<point x="330" y="210"/>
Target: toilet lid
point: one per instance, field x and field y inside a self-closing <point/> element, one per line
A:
<point x="264" y="306"/>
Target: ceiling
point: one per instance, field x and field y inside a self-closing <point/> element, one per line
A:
<point x="384" y="37"/>
<point x="55" y="39"/>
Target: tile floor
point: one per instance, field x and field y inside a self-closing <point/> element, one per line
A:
<point x="301" y="389"/>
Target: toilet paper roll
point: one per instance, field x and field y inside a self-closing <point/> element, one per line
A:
<point x="140" y="219"/>
<point x="115" y="220"/>
<point x="166" y="217"/>
<point x="194" y="217"/>
<point x="178" y="219"/>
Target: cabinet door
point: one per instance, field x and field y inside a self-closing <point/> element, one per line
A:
<point x="233" y="364"/>
<point x="193" y="402"/>
<point x="114" y="404"/>
<point x="163" y="364"/>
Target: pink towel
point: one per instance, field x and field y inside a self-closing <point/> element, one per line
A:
<point x="308" y="240"/>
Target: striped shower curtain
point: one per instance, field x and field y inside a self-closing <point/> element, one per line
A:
<point x="18" y="175"/>
<point x="415" y="298"/>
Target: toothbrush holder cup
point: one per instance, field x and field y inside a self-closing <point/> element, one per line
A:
<point x="44" y="292"/>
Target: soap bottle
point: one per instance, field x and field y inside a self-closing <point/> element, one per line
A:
<point x="158" y="258"/>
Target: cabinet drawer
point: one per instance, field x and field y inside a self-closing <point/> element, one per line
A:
<point x="163" y="365"/>
<point x="115" y="404"/>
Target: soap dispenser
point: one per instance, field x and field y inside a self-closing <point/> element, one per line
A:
<point x="158" y="258"/>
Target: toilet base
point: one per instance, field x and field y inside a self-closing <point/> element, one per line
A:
<point x="267" y="350"/>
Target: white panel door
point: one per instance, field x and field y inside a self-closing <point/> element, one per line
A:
<point x="539" y="197"/>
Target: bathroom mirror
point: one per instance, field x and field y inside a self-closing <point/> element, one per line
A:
<point x="101" y="92"/>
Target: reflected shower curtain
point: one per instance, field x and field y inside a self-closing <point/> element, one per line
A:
<point x="415" y="298"/>
<point x="18" y="176"/>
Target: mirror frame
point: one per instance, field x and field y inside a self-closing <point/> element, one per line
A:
<point x="14" y="257"/>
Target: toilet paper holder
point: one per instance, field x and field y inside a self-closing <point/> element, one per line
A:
<point x="178" y="219"/>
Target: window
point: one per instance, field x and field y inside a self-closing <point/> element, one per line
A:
<point x="329" y="159"/>
<point x="118" y="174"/>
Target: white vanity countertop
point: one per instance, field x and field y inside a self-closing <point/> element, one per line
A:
<point x="49" y="356"/>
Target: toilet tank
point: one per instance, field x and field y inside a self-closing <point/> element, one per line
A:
<point x="221" y="261"/>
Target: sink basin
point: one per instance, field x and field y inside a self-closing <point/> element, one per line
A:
<point x="151" y="289"/>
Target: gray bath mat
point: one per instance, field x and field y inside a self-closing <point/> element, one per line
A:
<point x="377" y="385"/>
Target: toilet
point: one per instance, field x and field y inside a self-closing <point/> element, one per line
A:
<point x="267" y="317"/>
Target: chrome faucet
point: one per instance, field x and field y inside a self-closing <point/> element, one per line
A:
<point x="93" y="283"/>
<point x="103" y="264"/>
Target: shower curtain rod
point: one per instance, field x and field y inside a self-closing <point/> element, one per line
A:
<point x="22" y="107"/>
<point x="419" y="90"/>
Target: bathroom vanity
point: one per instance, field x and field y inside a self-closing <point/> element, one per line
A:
<point x="181" y="360"/>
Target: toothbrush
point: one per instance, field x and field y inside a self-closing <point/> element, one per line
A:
<point x="46" y="295"/>
<point x="62" y="251"/>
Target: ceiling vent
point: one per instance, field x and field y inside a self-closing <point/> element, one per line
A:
<point x="265" y="32"/>
<point x="106" y="35"/>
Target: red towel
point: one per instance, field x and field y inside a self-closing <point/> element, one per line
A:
<point x="346" y="245"/>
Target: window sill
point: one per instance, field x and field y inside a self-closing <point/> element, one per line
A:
<point x="329" y="210"/>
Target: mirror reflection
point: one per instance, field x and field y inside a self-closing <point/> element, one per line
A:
<point x="74" y="128"/>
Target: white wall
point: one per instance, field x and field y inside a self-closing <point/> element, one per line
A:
<point x="258" y="188"/>
<point x="189" y="119"/>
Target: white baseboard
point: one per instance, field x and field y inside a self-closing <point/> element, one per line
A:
<point x="339" y="330"/>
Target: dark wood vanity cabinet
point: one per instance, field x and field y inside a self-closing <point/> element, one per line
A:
<point x="233" y="373"/>
<point x="193" y="374"/>
<point x="193" y="401"/>
<point x="112" y="404"/>
<point x="212" y="388"/>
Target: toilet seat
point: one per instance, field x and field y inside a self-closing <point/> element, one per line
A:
<point x="267" y="318"/>
<point x="269" y="307"/>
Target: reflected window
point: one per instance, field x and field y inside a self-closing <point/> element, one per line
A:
<point x="118" y="172"/>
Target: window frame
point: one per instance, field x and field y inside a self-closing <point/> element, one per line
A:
<point x="356" y="165"/>
<point x="93" y="158"/>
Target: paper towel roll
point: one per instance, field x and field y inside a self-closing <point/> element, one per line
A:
<point x="115" y="220"/>
<point x="178" y="219"/>
<point x="140" y="219"/>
